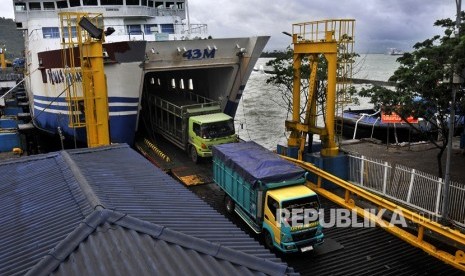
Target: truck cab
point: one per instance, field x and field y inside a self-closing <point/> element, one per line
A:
<point x="291" y="221"/>
<point x="269" y="194"/>
<point x="208" y="130"/>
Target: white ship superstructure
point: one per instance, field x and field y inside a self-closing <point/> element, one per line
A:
<point x="153" y="42"/>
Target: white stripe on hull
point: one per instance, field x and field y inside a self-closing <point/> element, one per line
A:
<point x="65" y="104"/>
<point x="65" y="112"/>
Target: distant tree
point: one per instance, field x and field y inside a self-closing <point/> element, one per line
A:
<point x="424" y="82"/>
<point x="11" y="38"/>
<point x="273" y="54"/>
<point x="283" y="78"/>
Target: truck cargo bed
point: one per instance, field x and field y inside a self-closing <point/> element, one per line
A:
<point x="180" y="98"/>
<point x="255" y="163"/>
<point x="245" y="171"/>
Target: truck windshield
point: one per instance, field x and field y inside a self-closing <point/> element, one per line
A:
<point x="304" y="206"/>
<point x="217" y="129"/>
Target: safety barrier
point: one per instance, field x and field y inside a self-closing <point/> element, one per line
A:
<point x="157" y="151"/>
<point x="418" y="223"/>
<point x="409" y="187"/>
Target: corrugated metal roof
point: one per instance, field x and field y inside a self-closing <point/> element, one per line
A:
<point x="135" y="187"/>
<point x="123" y="245"/>
<point x="41" y="205"/>
<point x="45" y="197"/>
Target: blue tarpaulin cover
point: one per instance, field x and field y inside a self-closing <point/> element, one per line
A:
<point x="255" y="163"/>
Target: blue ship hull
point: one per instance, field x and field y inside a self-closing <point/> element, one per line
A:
<point x="122" y="127"/>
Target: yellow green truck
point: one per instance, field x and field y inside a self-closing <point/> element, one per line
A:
<point x="191" y="122"/>
<point x="270" y="195"/>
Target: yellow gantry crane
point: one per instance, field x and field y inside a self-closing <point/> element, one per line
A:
<point x="82" y="56"/>
<point x="333" y="39"/>
<point x="2" y="58"/>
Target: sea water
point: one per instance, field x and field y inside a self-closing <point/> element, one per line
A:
<point x="262" y="111"/>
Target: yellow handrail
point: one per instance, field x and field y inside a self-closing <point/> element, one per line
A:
<point x="456" y="237"/>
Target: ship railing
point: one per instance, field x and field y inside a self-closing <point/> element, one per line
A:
<point x="361" y="118"/>
<point x="108" y="11"/>
<point x="201" y="29"/>
<point x="180" y="33"/>
<point x="409" y="187"/>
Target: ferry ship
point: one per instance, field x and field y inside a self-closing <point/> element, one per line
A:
<point x="153" y="41"/>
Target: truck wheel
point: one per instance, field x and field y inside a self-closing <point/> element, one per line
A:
<point x="268" y="240"/>
<point x="194" y="155"/>
<point x="229" y="204"/>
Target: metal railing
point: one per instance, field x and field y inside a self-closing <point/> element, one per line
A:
<point x="407" y="186"/>
<point x="414" y="236"/>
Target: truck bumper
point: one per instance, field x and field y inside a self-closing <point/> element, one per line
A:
<point x="205" y="154"/>
<point x="293" y="247"/>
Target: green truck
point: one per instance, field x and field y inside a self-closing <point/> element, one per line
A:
<point x="191" y="122"/>
<point x="270" y="195"/>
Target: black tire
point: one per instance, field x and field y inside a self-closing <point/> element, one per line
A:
<point x="194" y="156"/>
<point x="268" y="240"/>
<point x="229" y="204"/>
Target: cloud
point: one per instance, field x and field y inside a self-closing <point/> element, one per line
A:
<point x="380" y="24"/>
<point x="7" y="8"/>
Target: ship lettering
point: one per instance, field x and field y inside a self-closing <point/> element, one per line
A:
<point x="198" y="54"/>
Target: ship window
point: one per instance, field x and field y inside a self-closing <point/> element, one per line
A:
<point x="62" y="4"/>
<point x="132" y="2"/>
<point x="180" y="5"/>
<point x="144" y="2"/>
<point x="20" y="6"/>
<point x="49" y="6"/>
<point x="74" y="3"/>
<point x="111" y="2"/>
<point x="34" y="6"/>
<point x="89" y="2"/>
<point x="181" y="83"/>
<point x="191" y="84"/>
<point x="152" y="81"/>
<point x="134" y="29"/>
<point x="67" y="30"/>
<point x="167" y="28"/>
<point x="150" y="28"/>
<point x="50" y="32"/>
<point x="159" y="82"/>
<point x="159" y="5"/>
<point x="169" y="4"/>
<point x="150" y="3"/>
<point x="173" y="83"/>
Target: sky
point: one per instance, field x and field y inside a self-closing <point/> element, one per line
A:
<point x="380" y="24"/>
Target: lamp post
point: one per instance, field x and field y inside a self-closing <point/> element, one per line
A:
<point x="455" y="80"/>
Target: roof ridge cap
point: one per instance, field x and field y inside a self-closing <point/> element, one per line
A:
<point x="98" y="149"/>
<point x="65" y="247"/>
<point x="29" y="158"/>
<point x="87" y="190"/>
<point x="206" y="247"/>
<point x="98" y="217"/>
